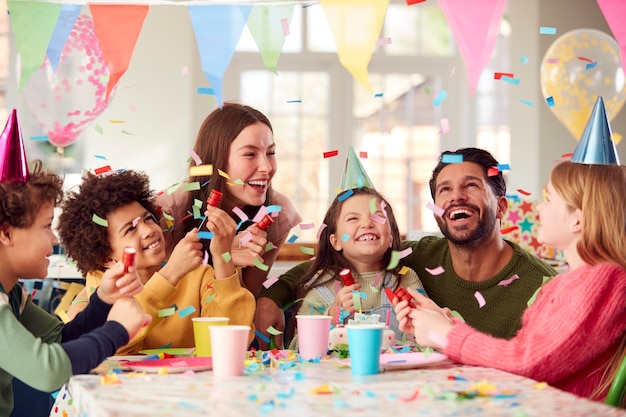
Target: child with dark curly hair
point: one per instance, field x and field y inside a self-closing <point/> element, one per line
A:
<point x="113" y="211"/>
<point x="35" y="346"/>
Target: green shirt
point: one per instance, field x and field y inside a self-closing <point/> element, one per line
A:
<point x="503" y="306"/>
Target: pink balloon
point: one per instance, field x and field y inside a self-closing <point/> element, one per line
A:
<point x="66" y="102"/>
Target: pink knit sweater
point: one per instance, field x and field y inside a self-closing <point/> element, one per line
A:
<point x="567" y="336"/>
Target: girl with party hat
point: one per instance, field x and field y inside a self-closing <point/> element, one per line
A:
<point x="574" y="334"/>
<point x="359" y="233"/>
<point x="36" y="347"/>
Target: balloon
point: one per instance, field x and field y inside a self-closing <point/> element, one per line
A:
<point x="66" y="102"/>
<point x="577" y="68"/>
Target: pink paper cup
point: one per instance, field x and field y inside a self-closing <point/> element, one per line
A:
<point x="313" y="334"/>
<point x="229" y="345"/>
<point x="201" y="334"/>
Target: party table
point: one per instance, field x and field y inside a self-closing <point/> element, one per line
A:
<point x="293" y="388"/>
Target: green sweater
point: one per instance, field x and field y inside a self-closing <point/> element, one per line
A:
<point x="504" y="304"/>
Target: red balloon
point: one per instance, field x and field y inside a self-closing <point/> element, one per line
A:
<point x="66" y="102"/>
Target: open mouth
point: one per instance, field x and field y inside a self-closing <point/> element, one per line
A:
<point x="258" y="184"/>
<point x="367" y="237"/>
<point x="460" y="214"/>
<point x="153" y="245"/>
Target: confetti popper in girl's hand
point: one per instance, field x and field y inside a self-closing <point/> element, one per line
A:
<point x="128" y="258"/>
<point x="346" y="277"/>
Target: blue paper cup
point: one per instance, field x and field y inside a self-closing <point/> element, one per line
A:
<point x="364" y="344"/>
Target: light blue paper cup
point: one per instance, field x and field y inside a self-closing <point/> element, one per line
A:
<point x="364" y="344"/>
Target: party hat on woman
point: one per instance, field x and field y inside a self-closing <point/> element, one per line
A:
<point x="596" y="146"/>
<point x="354" y="176"/>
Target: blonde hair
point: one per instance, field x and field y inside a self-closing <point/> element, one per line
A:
<point x="599" y="192"/>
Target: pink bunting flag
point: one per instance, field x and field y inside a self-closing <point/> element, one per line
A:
<point x="614" y="12"/>
<point x="474" y="25"/>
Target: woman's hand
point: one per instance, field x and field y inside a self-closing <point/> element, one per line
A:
<point x="249" y="245"/>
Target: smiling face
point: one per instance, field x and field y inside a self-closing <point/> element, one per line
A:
<point x="30" y="247"/>
<point x="471" y="208"/>
<point x="251" y="159"/>
<point x="363" y="240"/>
<point x="133" y="226"/>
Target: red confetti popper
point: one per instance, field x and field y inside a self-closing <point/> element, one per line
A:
<point x="346" y="277"/>
<point x="403" y="295"/>
<point x="265" y="222"/>
<point x="214" y="198"/>
<point x="128" y="258"/>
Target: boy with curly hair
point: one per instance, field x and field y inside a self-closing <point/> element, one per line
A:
<point x="113" y="211"/>
<point x="35" y="346"/>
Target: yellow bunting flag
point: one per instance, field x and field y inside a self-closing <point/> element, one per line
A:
<point x="356" y="27"/>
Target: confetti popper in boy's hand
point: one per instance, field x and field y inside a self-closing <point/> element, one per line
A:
<point x="128" y="258"/>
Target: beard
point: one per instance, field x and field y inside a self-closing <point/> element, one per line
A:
<point x="467" y="236"/>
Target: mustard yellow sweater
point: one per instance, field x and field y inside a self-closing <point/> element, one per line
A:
<point x="197" y="294"/>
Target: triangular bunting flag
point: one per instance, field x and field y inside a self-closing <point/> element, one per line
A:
<point x="65" y="23"/>
<point x="356" y="26"/>
<point x="267" y="25"/>
<point x="614" y="11"/>
<point x="475" y="25"/>
<point x="32" y="24"/>
<point x="217" y="29"/>
<point x="117" y="28"/>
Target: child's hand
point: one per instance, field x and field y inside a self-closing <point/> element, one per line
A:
<point x="345" y="299"/>
<point x="128" y="313"/>
<point x="186" y="256"/>
<point x="223" y="228"/>
<point x="244" y="254"/>
<point x="116" y="284"/>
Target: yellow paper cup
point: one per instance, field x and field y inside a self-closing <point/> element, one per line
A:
<point x="202" y="335"/>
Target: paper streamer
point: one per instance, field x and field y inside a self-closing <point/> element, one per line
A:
<point x="481" y="300"/>
<point x="435" y="271"/>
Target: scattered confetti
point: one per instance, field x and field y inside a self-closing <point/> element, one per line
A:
<point x="330" y="154"/>
<point x="481" y="300"/>
<point x="506" y="282"/>
<point x="99" y="220"/>
<point x="547" y="30"/>
<point x="435" y="271"/>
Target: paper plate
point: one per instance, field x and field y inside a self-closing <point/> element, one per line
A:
<point x="171" y="365"/>
<point x="170" y="351"/>
<point x="409" y="360"/>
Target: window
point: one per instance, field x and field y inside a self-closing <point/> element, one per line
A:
<point x="315" y="105"/>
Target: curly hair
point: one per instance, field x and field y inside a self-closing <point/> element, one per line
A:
<point x="20" y="202"/>
<point x="85" y="241"/>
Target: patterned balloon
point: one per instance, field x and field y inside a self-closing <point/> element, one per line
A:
<point x="66" y="102"/>
<point x="577" y="68"/>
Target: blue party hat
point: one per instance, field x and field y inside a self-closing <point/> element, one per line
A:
<point x="13" y="164"/>
<point x="354" y="176"/>
<point x="596" y="146"/>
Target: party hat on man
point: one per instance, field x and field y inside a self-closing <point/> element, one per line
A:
<point x="596" y="146"/>
<point x="354" y="176"/>
<point x="13" y="165"/>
